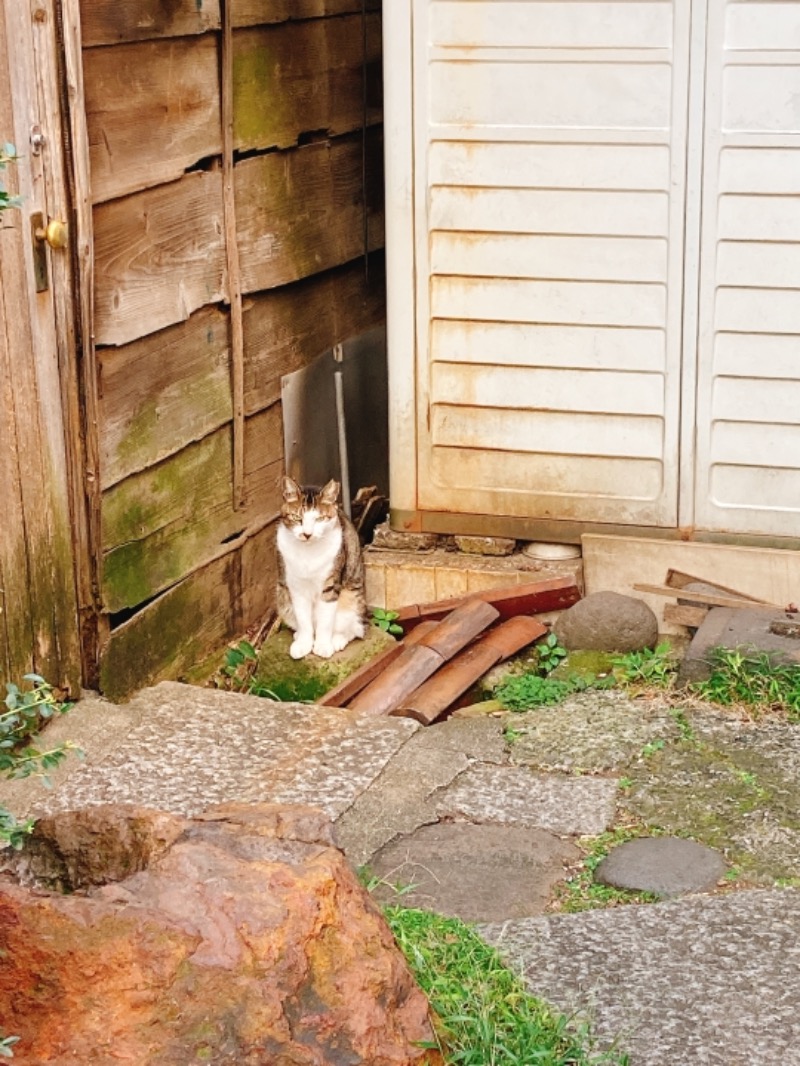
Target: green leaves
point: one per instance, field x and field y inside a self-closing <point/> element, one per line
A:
<point x="753" y="679"/>
<point x="385" y="620"/>
<point x="648" y="667"/>
<point x="551" y="653"/>
<point x="8" y="154"/>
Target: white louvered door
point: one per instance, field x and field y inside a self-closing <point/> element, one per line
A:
<point x="606" y="260"/>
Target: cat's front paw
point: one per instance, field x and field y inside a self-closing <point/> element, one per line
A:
<point x="323" y="648"/>
<point x="339" y="641"/>
<point x="300" y="647"/>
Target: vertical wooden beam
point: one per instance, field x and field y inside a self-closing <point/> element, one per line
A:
<point x="232" y="256"/>
<point x="79" y="372"/>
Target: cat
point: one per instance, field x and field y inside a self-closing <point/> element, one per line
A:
<point x="320" y="571"/>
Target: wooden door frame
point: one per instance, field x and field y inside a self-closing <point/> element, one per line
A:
<point x="41" y="40"/>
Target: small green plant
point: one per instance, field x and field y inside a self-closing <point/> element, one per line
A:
<point x="753" y="679"/>
<point x="27" y="709"/>
<point x="485" y="1015"/>
<point x="550" y="653"/>
<point x="650" y="667"/>
<point x="8" y="154"/>
<point x="521" y="692"/>
<point x="237" y="668"/>
<point x="386" y="620"/>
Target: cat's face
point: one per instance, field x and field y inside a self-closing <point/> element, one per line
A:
<point x="309" y="514"/>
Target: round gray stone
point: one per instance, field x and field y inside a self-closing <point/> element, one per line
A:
<point x="607" y="621"/>
<point x="665" y="866"/>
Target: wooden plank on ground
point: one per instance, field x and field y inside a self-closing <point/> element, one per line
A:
<point x="418" y="662"/>
<point x="534" y="597"/>
<point x="348" y="689"/>
<point x="152" y="109"/>
<point x="286" y="328"/>
<point x="162" y="392"/>
<point x="204" y="611"/>
<point x="300" y="212"/>
<point x="679" y="579"/>
<point x="160" y="524"/>
<point x="706" y="598"/>
<point x="115" y="21"/>
<point x="303" y="77"/>
<point x="458" y="675"/>
<point x="159" y="256"/>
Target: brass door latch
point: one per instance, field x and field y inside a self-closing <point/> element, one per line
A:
<point x="53" y="232"/>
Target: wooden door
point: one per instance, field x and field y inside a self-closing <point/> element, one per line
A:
<point x="38" y="605"/>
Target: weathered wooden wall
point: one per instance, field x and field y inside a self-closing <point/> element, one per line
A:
<point x="183" y="570"/>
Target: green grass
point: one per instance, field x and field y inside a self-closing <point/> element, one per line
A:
<point x="750" y="678"/>
<point x="485" y="1015"/>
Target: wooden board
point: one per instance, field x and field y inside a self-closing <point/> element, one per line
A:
<point x="532" y="597"/>
<point x="159" y="256"/>
<point x="302" y="77"/>
<point x="301" y="212"/>
<point x="115" y="21"/>
<point x="163" y="391"/>
<point x="160" y="524"/>
<point x="286" y="328"/>
<point x="706" y="598"/>
<point x="152" y="110"/>
<point x="160" y="253"/>
<point x="179" y="629"/>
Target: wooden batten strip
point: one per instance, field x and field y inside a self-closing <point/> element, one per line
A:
<point x="232" y="256"/>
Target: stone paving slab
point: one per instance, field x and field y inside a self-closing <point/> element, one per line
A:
<point x="513" y="795"/>
<point x="596" y="731"/>
<point x="187" y="748"/>
<point x="400" y="799"/>
<point x="708" y="981"/>
<point x="478" y="873"/>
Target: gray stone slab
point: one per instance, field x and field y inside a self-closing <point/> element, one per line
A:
<point x="188" y="748"/>
<point x="516" y="796"/>
<point x="728" y="627"/>
<point x="474" y="872"/>
<point x="665" y="866"/>
<point x="709" y="981"/>
<point x="595" y="731"/>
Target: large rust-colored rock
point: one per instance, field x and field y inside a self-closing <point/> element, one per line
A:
<point x="247" y="941"/>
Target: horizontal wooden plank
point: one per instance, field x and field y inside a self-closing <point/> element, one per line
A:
<point x="286" y="328"/>
<point x="160" y="252"/>
<point x="152" y="110"/>
<point x="115" y="21"/>
<point x="161" y="392"/>
<point x="257" y="12"/>
<point x="302" y="211"/>
<point x="164" y="522"/>
<point x="159" y="256"/>
<point x="533" y="597"/>
<point x="300" y="77"/>
<point x="706" y="599"/>
<point x="201" y="613"/>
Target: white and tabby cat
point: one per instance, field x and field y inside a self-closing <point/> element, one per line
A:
<point x="320" y="571"/>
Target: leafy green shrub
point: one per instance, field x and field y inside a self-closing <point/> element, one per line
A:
<point x="752" y="678"/>
<point x="27" y="710"/>
<point x="520" y="692"/>
<point x="486" y="1016"/>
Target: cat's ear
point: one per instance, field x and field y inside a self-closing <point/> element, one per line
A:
<point x="291" y="490"/>
<point x="330" y="493"/>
